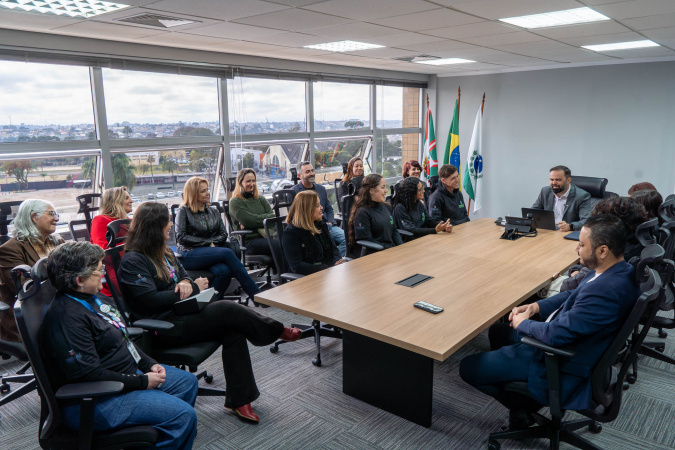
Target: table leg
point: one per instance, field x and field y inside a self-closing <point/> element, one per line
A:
<point x="389" y="377"/>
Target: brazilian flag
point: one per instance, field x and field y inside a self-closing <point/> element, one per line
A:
<point x="451" y="155"/>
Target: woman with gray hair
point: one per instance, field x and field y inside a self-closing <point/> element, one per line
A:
<point x="85" y="340"/>
<point x="33" y="238"/>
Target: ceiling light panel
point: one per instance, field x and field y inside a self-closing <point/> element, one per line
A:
<point x="444" y="61"/>
<point x="69" y="8"/>
<point x="344" y="46"/>
<point x="557" y="18"/>
<point x="621" y="46"/>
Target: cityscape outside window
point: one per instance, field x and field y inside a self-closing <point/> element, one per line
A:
<point x="340" y="106"/>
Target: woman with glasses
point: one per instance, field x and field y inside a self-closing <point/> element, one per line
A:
<point x="33" y="238"/>
<point x="152" y="281"/>
<point x="410" y="213"/>
<point x="85" y="340"/>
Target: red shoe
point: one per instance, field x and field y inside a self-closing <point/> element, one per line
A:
<point x="246" y="412"/>
<point x="290" y="334"/>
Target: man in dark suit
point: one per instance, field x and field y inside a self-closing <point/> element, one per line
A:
<point x="570" y="204"/>
<point x="587" y="317"/>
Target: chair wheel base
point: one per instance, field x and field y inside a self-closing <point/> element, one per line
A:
<point x="274" y="349"/>
<point x="5" y="388"/>
<point x="663" y="334"/>
<point x="595" y="427"/>
<point x="316" y="362"/>
<point x="660" y="348"/>
<point x="208" y="379"/>
<point x="494" y="445"/>
<point x="631" y="378"/>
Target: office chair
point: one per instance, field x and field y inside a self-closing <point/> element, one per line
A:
<point x="117" y="232"/>
<point x="187" y="356"/>
<point x="607" y="378"/>
<point x="86" y="202"/>
<point x="592" y="185"/>
<point x="433" y="185"/>
<point x="7" y="212"/>
<point x="283" y="198"/>
<point x="17" y="350"/>
<point x="78" y="230"/>
<point x="316" y="329"/>
<point x="35" y="295"/>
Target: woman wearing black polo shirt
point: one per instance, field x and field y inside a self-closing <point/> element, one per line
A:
<point x="410" y="213"/>
<point x="372" y="218"/>
<point x="85" y="340"/>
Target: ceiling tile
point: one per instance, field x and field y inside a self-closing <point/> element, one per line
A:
<point x="371" y="9"/>
<point x="651" y="22"/>
<point x="526" y="62"/>
<point x="603" y="39"/>
<point x="603" y="2"/>
<point x="585" y="29"/>
<point x="503" y="39"/>
<point x="92" y="28"/>
<point x="535" y="49"/>
<point x="180" y="40"/>
<point x="33" y="22"/>
<point x="472" y="30"/>
<point x="295" y="3"/>
<point x="483" y="54"/>
<point x="289" y="39"/>
<point x="428" y="20"/>
<point x="384" y="53"/>
<point x="637" y="8"/>
<point x="292" y="20"/>
<point x="499" y="9"/>
<point x="246" y="48"/>
<point x="402" y="39"/>
<point x="642" y="53"/>
<point x="432" y="47"/>
<point x="229" y="30"/>
<point x="660" y="33"/>
<point x="353" y="31"/>
<point x="228" y="10"/>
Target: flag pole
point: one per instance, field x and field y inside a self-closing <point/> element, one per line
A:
<point x="482" y="107"/>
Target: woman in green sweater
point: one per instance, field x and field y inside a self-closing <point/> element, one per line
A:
<point x="248" y="210"/>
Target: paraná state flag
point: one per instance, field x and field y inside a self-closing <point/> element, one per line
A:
<point x="473" y="172"/>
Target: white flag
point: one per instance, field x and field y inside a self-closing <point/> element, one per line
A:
<point x="473" y="171"/>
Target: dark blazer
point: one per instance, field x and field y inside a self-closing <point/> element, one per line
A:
<point x="590" y="317"/>
<point x="577" y="209"/>
<point x="328" y="213"/>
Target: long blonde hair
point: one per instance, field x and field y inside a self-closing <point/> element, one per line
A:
<point x="238" y="191"/>
<point x="302" y="209"/>
<point x="112" y="202"/>
<point x="191" y="192"/>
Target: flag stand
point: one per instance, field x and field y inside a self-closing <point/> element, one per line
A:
<point x="482" y="106"/>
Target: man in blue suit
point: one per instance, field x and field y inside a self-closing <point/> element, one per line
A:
<point x="587" y="317"/>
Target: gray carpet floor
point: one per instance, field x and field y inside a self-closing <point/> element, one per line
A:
<point x="302" y="407"/>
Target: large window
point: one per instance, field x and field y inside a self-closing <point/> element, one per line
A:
<point x="143" y="105"/>
<point x="44" y="103"/>
<point x="340" y="106"/>
<point x="262" y="106"/>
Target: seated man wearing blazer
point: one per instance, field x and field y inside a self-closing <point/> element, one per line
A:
<point x="570" y="204"/>
<point x="587" y="317"/>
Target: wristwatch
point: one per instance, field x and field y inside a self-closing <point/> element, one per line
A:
<point x="571" y="227"/>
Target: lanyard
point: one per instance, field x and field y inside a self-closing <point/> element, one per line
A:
<point x="107" y="313"/>
<point x="174" y="277"/>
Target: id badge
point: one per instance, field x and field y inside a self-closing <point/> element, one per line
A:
<point x="133" y="351"/>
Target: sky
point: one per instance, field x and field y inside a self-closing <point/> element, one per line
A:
<point x="44" y="94"/>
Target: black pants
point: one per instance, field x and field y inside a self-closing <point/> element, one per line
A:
<point x="232" y="325"/>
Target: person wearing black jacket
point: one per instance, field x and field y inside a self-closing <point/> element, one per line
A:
<point x="371" y="218"/>
<point x="307" y="243"/>
<point x="447" y="201"/>
<point x="353" y="176"/>
<point x="152" y="281"/>
<point x="202" y="240"/>
<point x="85" y="339"/>
<point x="410" y="213"/>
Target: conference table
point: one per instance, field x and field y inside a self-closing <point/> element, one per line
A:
<point x="388" y="345"/>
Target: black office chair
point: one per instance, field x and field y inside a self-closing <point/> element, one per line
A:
<point x="276" y="227"/>
<point x="283" y="198"/>
<point x="592" y="185"/>
<point x="32" y="300"/>
<point x="607" y="378"/>
<point x="78" y="230"/>
<point x="7" y="213"/>
<point x="187" y="356"/>
<point x="87" y="207"/>
<point x="667" y="210"/>
<point x="117" y="232"/>
<point x="336" y="187"/>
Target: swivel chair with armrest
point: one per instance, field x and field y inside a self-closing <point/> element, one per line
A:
<point x="7" y="212"/>
<point x="594" y="186"/>
<point x="187" y="356"/>
<point x="316" y="329"/>
<point x="34" y="296"/>
<point x="607" y="378"/>
<point x="283" y="198"/>
<point x="87" y="207"/>
<point x="79" y="231"/>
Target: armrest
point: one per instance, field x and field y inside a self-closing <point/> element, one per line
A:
<point x="89" y="389"/>
<point x="288" y="276"/>
<point x="4" y="306"/>
<point x="404" y="233"/>
<point x="241" y="232"/>
<point x="347" y="258"/>
<point x="153" y="324"/>
<point x="134" y="332"/>
<point x="568" y="351"/>
<point x="370" y="244"/>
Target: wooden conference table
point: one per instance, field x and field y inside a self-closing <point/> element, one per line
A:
<point x="388" y="345"/>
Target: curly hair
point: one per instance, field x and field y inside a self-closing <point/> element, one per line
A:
<point x="650" y="199"/>
<point x="363" y="200"/>
<point x="628" y="210"/>
<point x="406" y="193"/>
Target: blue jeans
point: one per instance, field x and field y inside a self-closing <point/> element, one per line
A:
<point x="169" y="409"/>
<point x="338" y="235"/>
<point x="223" y="264"/>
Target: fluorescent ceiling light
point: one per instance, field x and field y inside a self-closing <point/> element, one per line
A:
<point x="70" y="8"/>
<point x="444" y="61"/>
<point x="344" y="46"/>
<point x="557" y="18"/>
<point x="621" y="46"/>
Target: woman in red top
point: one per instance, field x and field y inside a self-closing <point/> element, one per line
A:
<point x="115" y="204"/>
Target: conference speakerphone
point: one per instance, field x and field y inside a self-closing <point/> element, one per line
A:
<point x="414" y="280"/>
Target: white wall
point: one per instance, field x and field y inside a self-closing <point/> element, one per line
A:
<point x="616" y="122"/>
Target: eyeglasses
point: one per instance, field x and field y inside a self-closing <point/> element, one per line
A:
<point x="99" y="272"/>
<point x="52" y="213"/>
